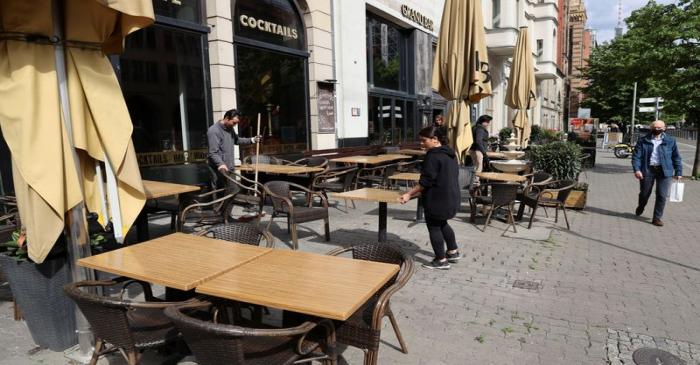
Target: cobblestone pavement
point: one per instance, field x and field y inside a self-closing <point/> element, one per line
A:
<point x="595" y="293"/>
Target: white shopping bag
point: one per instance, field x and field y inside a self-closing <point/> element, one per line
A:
<point x="677" y="192"/>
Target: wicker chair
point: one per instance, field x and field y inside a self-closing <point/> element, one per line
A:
<point x="206" y="213"/>
<point x="553" y="194"/>
<point x="376" y="176"/>
<point x="539" y="178"/>
<point x="122" y="324"/>
<point x="363" y="328"/>
<point x="246" y="233"/>
<point x="246" y="192"/>
<point x="262" y="159"/>
<point x="216" y="343"/>
<point x="280" y="193"/>
<point x="502" y="195"/>
<point x="336" y="181"/>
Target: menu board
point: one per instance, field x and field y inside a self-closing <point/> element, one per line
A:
<point x="326" y="108"/>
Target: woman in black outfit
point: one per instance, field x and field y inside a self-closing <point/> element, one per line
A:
<point x="440" y="189"/>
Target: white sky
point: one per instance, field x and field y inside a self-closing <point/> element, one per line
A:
<point x="602" y="15"/>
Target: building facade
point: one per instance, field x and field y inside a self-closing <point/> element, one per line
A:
<point x="579" y="50"/>
<point x="502" y="19"/>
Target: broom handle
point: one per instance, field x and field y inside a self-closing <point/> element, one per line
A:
<point x="257" y="158"/>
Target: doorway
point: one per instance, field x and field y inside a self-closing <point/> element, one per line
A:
<point x="392" y="120"/>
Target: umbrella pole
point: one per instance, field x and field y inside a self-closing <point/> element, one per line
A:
<point x="257" y="155"/>
<point x="76" y="223"/>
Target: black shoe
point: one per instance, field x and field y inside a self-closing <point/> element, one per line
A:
<point x="453" y="257"/>
<point x="639" y="211"/>
<point x="437" y="265"/>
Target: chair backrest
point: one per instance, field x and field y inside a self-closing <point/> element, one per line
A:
<point x="280" y="188"/>
<point x="107" y="317"/>
<point x="566" y="186"/>
<point x="503" y="193"/>
<point x="316" y="161"/>
<point x="349" y="177"/>
<point x="259" y="158"/>
<point x="246" y="233"/>
<point x="388" y="253"/>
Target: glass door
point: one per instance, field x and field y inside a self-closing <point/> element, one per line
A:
<point x="392" y="121"/>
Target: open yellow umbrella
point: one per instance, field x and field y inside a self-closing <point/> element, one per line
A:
<point x="461" y="67"/>
<point x="521" y="91"/>
<point x="63" y="113"/>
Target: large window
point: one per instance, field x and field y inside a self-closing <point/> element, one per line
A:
<point x="392" y="121"/>
<point x="387" y="55"/>
<point x="272" y="84"/>
<point x="163" y="74"/>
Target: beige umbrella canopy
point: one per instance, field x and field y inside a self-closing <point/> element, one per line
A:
<point x="46" y="180"/>
<point x="521" y="92"/>
<point x="461" y="68"/>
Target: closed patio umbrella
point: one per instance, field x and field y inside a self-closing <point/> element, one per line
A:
<point x="63" y="115"/>
<point x="521" y="91"/>
<point x="461" y="67"/>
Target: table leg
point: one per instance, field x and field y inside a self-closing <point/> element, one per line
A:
<point x="382" y="221"/>
<point x="419" y="211"/>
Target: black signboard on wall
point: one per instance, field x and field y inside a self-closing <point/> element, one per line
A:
<point x="326" y="108"/>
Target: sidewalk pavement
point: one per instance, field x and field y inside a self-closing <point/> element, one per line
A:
<point x="610" y="285"/>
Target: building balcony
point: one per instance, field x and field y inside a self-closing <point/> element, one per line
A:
<point x="546" y="70"/>
<point x="545" y="11"/>
<point x="501" y="41"/>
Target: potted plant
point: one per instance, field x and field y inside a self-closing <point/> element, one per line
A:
<point x="38" y="291"/>
<point x="560" y="159"/>
<point x="563" y="161"/>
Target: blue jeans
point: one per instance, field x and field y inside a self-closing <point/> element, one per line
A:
<point x="663" y="185"/>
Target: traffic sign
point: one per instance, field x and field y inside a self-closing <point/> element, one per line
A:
<point x="650" y="100"/>
<point x="647" y="109"/>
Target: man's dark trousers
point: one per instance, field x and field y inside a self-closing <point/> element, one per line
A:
<point x="663" y="185"/>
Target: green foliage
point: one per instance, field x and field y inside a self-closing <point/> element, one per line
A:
<point x="561" y="159"/>
<point x="480" y="338"/>
<point x="551" y="135"/>
<point x="660" y="53"/>
<point x="536" y="134"/>
<point x="504" y="134"/>
<point x="15" y="247"/>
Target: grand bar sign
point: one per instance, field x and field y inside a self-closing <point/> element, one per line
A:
<point x="417" y="17"/>
<point x="269" y="27"/>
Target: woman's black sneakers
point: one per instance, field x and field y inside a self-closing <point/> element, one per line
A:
<point x="453" y="257"/>
<point x="437" y="265"/>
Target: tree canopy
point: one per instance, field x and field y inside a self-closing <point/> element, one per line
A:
<point x="661" y="52"/>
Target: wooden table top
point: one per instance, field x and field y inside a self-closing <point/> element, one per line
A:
<point x="319" y="285"/>
<point x="409" y="176"/>
<point x="370" y="194"/>
<point x="371" y="160"/>
<point x="159" y="189"/>
<point x="280" y="169"/>
<point x="501" y="176"/>
<point x="413" y="152"/>
<point x="180" y="261"/>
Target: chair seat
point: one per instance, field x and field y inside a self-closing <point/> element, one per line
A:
<point x="483" y="200"/>
<point x="330" y="186"/>
<point x="275" y="350"/>
<point x="307" y="214"/>
<point x="150" y="328"/>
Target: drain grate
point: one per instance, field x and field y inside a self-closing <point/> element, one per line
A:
<point x="527" y="284"/>
<point x="649" y="356"/>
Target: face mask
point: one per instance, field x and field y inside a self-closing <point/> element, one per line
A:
<point x="657" y="131"/>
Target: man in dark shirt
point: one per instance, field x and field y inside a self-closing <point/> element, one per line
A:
<point x="479" y="147"/>
<point x="221" y="137"/>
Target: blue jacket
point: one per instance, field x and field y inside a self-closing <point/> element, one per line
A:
<point x="669" y="157"/>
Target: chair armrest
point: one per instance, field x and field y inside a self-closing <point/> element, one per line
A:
<point x="184" y="212"/>
<point x="284" y="199"/>
<point x="401" y="281"/>
<point x="207" y="194"/>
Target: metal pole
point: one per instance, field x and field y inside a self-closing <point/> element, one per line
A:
<point x="657" y="109"/>
<point x="76" y="223"/>
<point x="634" y="109"/>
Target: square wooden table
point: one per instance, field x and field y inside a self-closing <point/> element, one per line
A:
<point x="155" y="190"/>
<point x="320" y="285"/>
<point x="501" y="176"/>
<point x="180" y="261"/>
<point x="374" y="195"/>
<point x="412" y="176"/>
<point x="279" y="169"/>
<point x="371" y="160"/>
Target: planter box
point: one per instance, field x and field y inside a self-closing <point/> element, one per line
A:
<point x="576" y="199"/>
<point x="38" y="291"/>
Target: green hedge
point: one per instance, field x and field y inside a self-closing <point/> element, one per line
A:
<point x="561" y="159"/>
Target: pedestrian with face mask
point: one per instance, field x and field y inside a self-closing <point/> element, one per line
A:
<point x="656" y="159"/>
